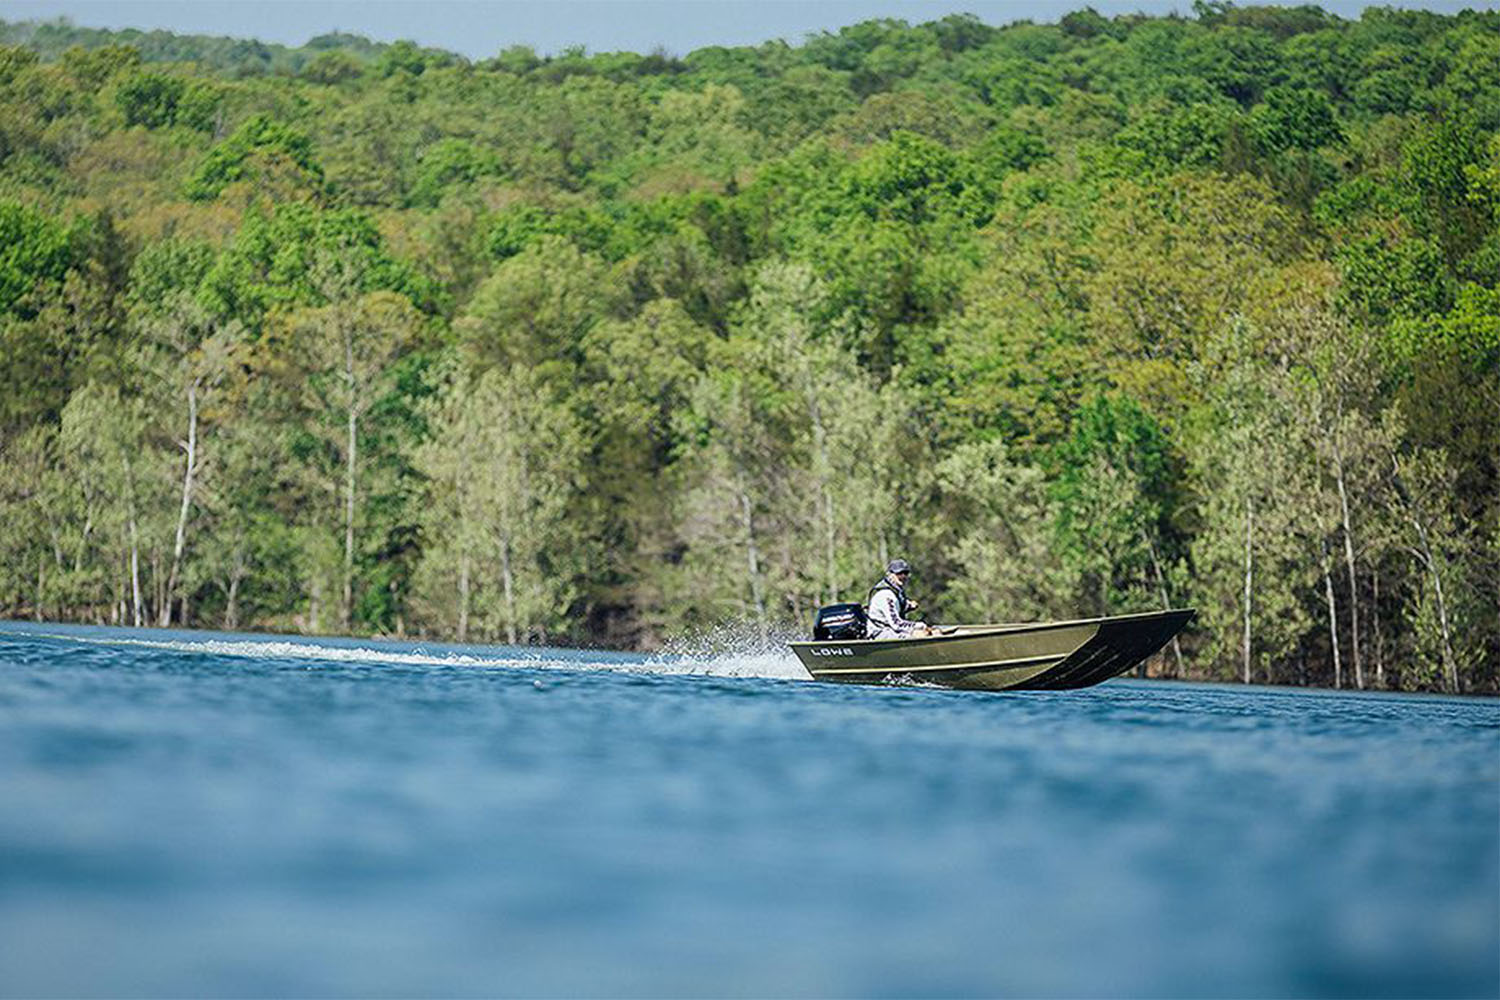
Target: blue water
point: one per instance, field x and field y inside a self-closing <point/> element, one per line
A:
<point x="192" y="814"/>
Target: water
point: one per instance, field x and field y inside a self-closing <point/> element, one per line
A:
<point x="194" y="814"/>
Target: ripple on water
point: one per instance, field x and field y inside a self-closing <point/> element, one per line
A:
<point x="229" y="814"/>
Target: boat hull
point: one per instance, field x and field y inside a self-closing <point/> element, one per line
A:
<point x="1037" y="656"/>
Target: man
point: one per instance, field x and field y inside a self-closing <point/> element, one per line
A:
<point x="889" y="606"/>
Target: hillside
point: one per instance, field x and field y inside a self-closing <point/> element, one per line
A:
<point x="1079" y="318"/>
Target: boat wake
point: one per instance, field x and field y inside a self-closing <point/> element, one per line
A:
<point x="716" y="654"/>
<point x="731" y="649"/>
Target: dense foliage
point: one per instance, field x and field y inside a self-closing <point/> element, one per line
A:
<point x="1082" y="318"/>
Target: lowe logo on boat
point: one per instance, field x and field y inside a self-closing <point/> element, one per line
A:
<point x="832" y="651"/>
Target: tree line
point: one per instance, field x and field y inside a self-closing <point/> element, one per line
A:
<point x="1082" y="318"/>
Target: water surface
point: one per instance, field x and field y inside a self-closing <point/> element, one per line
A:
<point x="183" y="813"/>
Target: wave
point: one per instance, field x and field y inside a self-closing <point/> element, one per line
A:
<point x="724" y="652"/>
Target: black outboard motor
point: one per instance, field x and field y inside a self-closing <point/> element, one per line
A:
<point x="840" y="621"/>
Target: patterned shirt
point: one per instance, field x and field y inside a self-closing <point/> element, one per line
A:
<point x="884" y="614"/>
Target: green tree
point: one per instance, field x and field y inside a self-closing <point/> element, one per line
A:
<point x="1006" y="566"/>
<point x="277" y="156"/>
<point x="34" y="249"/>
<point x="349" y="348"/>
<point x="537" y="306"/>
<point x="191" y="355"/>
<point x="503" y="465"/>
<point x="1115" y="501"/>
<point x="103" y="438"/>
<point x="1250" y="567"/>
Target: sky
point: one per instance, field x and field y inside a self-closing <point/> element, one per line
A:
<point x="481" y="28"/>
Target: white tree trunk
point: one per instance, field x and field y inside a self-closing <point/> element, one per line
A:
<point x="346" y="607"/>
<point x="1379" y="634"/>
<point x="1333" y="619"/>
<point x="463" y="594"/>
<point x="1166" y="601"/>
<point x="231" y="602"/>
<point x="508" y="583"/>
<point x="1450" y="662"/>
<point x="137" y="608"/>
<point x="752" y="562"/>
<point x="1450" y="665"/>
<point x="135" y="551"/>
<point x="187" y="500"/>
<point x="315" y="603"/>
<point x="88" y="529"/>
<point x="1354" y="654"/>
<point x="825" y="471"/>
<point x="1249" y="574"/>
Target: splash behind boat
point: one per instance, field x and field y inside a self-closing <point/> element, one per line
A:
<point x="1030" y="656"/>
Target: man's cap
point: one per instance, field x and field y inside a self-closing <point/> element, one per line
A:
<point x="898" y="566"/>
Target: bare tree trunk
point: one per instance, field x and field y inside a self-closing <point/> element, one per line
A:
<point x="752" y="561"/>
<point x="1379" y="634"/>
<point x="315" y="604"/>
<point x="135" y="553"/>
<point x="1333" y="621"/>
<point x="508" y="582"/>
<point x="158" y="582"/>
<point x="829" y="547"/>
<point x="346" y="607"/>
<point x="238" y="570"/>
<point x="400" y="615"/>
<point x="136" y="603"/>
<point x="1354" y="654"/>
<point x="1450" y="665"/>
<point x="825" y="471"/>
<point x="231" y="604"/>
<point x="83" y="540"/>
<point x="1249" y="574"/>
<point x="187" y="500"/>
<point x="1166" y="600"/>
<point x="463" y="594"/>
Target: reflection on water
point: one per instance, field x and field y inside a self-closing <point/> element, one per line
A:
<point x="186" y="813"/>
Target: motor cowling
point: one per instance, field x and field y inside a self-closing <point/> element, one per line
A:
<point x="839" y="621"/>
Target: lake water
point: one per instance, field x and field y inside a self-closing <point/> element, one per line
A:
<point x="184" y="813"/>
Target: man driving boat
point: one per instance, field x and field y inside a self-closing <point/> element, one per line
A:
<point x="889" y="606"/>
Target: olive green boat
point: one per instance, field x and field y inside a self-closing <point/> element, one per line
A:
<point x="1036" y="656"/>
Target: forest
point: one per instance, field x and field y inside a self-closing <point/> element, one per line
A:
<point x="610" y="349"/>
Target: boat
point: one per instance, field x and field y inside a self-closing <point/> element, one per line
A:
<point x="1031" y="656"/>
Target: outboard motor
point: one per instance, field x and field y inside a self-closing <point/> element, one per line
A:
<point x="840" y="621"/>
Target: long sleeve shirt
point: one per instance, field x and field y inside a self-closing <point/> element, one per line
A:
<point x="884" y="616"/>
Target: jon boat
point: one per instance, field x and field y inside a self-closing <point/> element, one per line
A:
<point x="1038" y="656"/>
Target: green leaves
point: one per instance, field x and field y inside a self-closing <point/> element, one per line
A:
<point x="156" y="100"/>
<point x="1100" y="315"/>
<point x="537" y="307"/>
<point x="1291" y="118"/>
<point x="448" y="164"/>
<point x="264" y="149"/>
<point x="33" y="248"/>
<point x="271" y="262"/>
<point x="1115" y="487"/>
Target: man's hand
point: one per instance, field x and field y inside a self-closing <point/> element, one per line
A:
<point x="912" y="605"/>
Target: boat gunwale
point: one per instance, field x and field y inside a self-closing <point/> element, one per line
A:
<point x="976" y="631"/>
